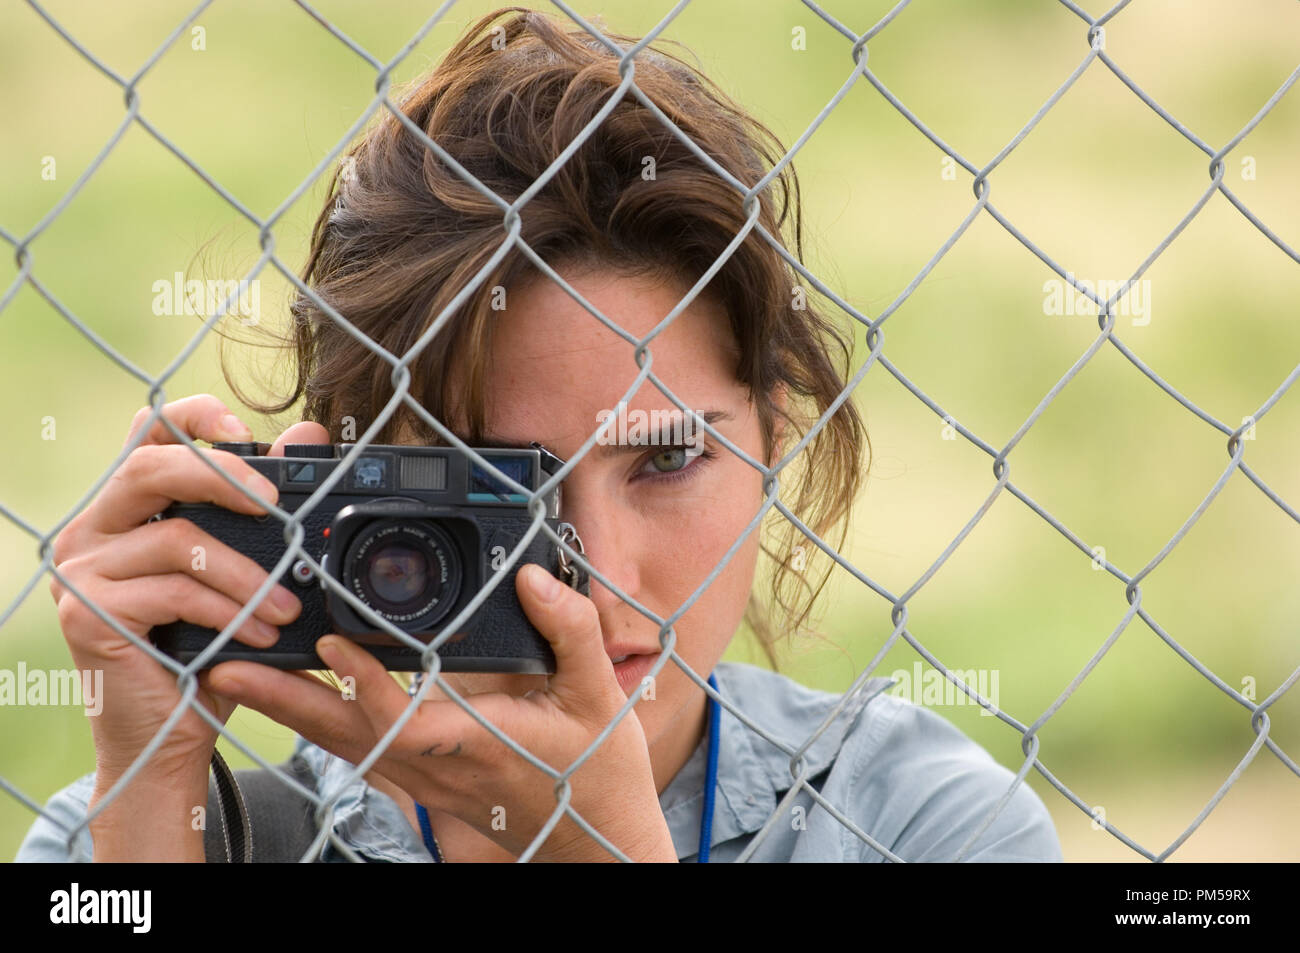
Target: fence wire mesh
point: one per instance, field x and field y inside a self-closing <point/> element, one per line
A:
<point x="1028" y="726"/>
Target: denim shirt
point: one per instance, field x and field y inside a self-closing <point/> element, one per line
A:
<point x="901" y="773"/>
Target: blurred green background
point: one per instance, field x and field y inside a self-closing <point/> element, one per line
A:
<point x="1097" y="185"/>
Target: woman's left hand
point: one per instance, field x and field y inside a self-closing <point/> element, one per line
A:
<point x="448" y="762"/>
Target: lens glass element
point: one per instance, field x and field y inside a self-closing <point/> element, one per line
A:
<point x="407" y="571"/>
<point x="398" y="573"/>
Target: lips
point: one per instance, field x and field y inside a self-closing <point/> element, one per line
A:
<point x="632" y="667"/>
<point x="620" y="653"/>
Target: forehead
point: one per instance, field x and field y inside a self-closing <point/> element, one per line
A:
<point x="553" y="363"/>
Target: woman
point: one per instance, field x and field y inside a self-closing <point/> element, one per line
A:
<point x="631" y="222"/>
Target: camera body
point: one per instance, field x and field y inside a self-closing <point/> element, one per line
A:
<point x="414" y="533"/>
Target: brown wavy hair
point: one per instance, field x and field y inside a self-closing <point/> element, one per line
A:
<point x="401" y="233"/>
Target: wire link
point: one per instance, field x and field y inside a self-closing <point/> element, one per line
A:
<point x="572" y="555"/>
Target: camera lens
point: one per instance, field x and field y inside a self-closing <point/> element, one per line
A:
<point x="407" y="571"/>
<point x="398" y="573"/>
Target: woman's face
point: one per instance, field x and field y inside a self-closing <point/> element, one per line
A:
<point x="653" y="520"/>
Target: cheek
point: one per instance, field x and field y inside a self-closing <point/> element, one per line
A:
<point x="708" y="626"/>
<point x="729" y="592"/>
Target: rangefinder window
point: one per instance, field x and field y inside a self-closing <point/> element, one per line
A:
<point x="298" y="472"/>
<point x="484" y="488"/>
<point x="424" y="473"/>
<point x="370" y="473"/>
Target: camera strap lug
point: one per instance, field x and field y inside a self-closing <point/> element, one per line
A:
<point x="573" y="573"/>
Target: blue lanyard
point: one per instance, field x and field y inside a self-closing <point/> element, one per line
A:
<point x="711" y="775"/>
<point x="710" y="786"/>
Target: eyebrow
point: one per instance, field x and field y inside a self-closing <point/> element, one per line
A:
<point x="669" y="420"/>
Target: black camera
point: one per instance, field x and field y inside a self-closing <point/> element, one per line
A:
<point x="413" y="533"/>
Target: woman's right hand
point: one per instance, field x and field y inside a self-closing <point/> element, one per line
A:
<point x="146" y="573"/>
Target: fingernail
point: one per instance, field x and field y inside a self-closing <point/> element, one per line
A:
<point x="261" y="487"/>
<point x="232" y="428"/>
<point x="544" y="584"/>
<point x="226" y="685"/>
<point x="285" y="601"/>
<point x="266" y="632"/>
<point x="328" y="650"/>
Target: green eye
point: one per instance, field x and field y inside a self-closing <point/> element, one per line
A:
<point x="669" y="459"/>
<point x="674" y="464"/>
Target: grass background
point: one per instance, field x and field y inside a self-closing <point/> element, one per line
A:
<point x="1097" y="185"/>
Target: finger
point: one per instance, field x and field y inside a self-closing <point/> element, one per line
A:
<point x="438" y="727"/>
<point x="177" y="545"/>
<point x="148" y="601"/>
<point x="570" y="623"/>
<point x="382" y="699"/>
<point x="201" y="417"/>
<point x="313" y="709"/>
<point x="153" y="477"/>
<point x="307" y="431"/>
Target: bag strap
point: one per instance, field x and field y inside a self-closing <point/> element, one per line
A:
<point x="258" y="800"/>
<point x="236" y="828"/>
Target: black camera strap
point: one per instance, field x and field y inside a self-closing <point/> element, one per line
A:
<point x="235" y="826"/>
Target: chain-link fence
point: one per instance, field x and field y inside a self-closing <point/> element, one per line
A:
<point x="858" y="74"/>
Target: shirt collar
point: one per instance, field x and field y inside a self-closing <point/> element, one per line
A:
<point x="753" y="773"/>
<point x="365" y="818"/>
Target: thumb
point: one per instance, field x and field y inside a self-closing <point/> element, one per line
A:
<point x="306" y="431"/>
<point x="568" y="620"/>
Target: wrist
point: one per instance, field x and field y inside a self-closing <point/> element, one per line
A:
<point x="170" y="765"/>
<point x="159" y="815"/>
<point x="655" y="847"/>
<point x="652" y="843"/>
